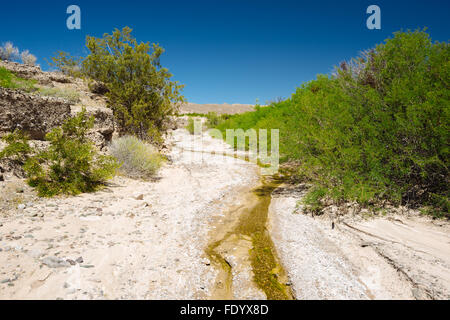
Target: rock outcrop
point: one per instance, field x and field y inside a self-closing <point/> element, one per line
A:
<point x="104" y="125"/>
<point x="35" y="73"/>
<point x="31" y="113"/>
<point x="37" y="115"/>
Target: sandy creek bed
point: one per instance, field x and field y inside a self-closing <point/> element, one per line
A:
<point x="188" y="235"/>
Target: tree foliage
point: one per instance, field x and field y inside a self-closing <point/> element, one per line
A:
<point x="18" y="148"/>
<point x="140" y="91"/>
<point x="67" y="64"/>
<point x="378" y="129"/>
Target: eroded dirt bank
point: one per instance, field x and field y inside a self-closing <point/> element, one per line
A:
<point x="391" y="257"/>
<point x="133" y="240"/>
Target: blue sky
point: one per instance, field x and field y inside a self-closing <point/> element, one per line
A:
<point x="233" y="51"/>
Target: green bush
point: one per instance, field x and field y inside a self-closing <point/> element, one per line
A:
<point x="66" y="64"/>
<point x="18" y="148"/>
<point x="138" y="159"/>
<point x="140" y="90"/>
<point x="70" y="165"/>
<point x="191" y="125"/>
<point x="213" y="119"/>
<point x="10" y="81"/>
<point x="377" y="129"/>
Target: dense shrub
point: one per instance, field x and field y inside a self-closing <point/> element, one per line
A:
<point x="70" y="165"/>
<point x="377" y="129"/>
<point x="191" y="125"/>
<point x="213" y="119"/>
<point x="138" y="159"/>
<point x="18" y="148"/>
<point x="140" y="91"/>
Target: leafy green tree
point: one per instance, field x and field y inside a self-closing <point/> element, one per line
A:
<point x="141" y="93"/>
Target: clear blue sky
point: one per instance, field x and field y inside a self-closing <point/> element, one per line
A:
<point x="233" y="51"/>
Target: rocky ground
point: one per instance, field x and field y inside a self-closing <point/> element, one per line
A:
<point x="37" y="113"/>
<point x="133" y="240"/>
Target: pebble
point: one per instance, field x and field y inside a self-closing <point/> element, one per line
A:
<point x="55" y="262"/>
<point x="21" y="206"/>
<point x="139" y="197"/>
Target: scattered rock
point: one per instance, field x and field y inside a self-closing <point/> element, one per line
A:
<point x="71" y="262"/>
<point x="79" y="260"/>
<point x="139" y="197"/>
<point x="55" y="262"/>
<point x="21" y="206"/>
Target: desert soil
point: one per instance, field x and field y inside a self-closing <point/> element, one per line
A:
<point x="149" y="239"/>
